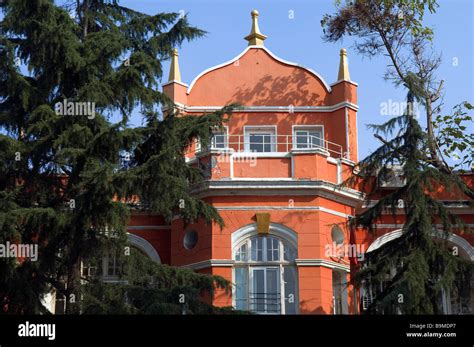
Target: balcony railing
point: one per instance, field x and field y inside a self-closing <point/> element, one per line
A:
<point x="265" y="302"/>
<point x="269" y="144"/>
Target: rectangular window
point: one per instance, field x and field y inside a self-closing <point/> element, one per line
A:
<point x="111" y="266"/>
<point x="264" y="296"/>
<point x="241" y="288"/>
<point x="260" y="142"/>
<point x="219" y="140"/>
<point x="260" y="139"/>
<point x="308" y="138"/>
<point x="339" y="287"/>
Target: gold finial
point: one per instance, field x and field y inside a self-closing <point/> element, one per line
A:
<point x="255" y="38"/>
<point x="175" y="75"/>
<point x="343" y="67"/>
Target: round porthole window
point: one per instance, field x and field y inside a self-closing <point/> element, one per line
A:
<point x="190" y="239"/>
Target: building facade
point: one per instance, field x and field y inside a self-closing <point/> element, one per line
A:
<point x="273" y="173"/>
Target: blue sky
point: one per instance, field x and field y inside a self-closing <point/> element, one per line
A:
<point x="299" y="39"/>
<point x="295" y="34"/>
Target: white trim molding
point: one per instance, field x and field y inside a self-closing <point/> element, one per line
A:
<point x="205" y="264"/>
<point x="312" y="72"/>
<point x="175" y="81"/>
<point x="145" y="246"/>
<point x="283" y="208"/>
<point x="272" y="109"/>
<point x="339" y="81"/>
<point x="280" y="187"/>
<point x="456" y="239"/>
<point x="323" y="263"/>
<point x="275" y="229"/>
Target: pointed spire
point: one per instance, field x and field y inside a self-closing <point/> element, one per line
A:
<point x="255" y="38"/>
<point x="343" y="67"/>
<point x="175" y="75"/>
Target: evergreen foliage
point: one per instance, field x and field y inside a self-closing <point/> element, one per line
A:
<point x="149" y="288"/>
<point x="63" y="179"/>
<point x="408" y="273"/>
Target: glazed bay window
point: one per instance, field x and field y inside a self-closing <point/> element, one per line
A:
<point x="308" y="137"/>
<point x="260" y="139"/>
<point x="265" y="276"/>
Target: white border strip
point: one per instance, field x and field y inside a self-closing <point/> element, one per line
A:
<point x="273" y="109"/>
<point x="282" y="208"/>
<point x="456" y="239"/>
<point x="144" y="246"/>
<point x="323" y="263"/>
<point x="210" y="263"/>
<point x="328" y="88"/>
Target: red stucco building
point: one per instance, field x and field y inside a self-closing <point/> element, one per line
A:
<point x="272" y="174"/>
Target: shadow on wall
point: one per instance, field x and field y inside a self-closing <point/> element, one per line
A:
<point x="305" y="310"/>
<point x="288" y="90"/>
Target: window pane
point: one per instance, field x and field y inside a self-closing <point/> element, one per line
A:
<point x="273" y="291"/>
<point x="256" y="143"/>
<point x="289" y="276"/>
<point x="258" y="294"/>
<point x="241" y="288"/>
<point x="315" y="139"/>
<point x="241" y="254"/>
<point x="289" y="253"/>
<point x="257" y="252"/>
<point x="311" y="138"/>
<point x="273" y="249"/>
<point x="267" y="140"/>
<point x="301" y="139"/>
<point x="261" y="142"/>
<point x="219" y="140"/>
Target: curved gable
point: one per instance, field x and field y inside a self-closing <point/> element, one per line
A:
<point x="256" y="78"/>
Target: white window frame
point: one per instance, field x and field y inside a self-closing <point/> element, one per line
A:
<point x="261" y="129"/>
<point x="251" y="288"/>
<point x="342" y="286"/>
<point x="279" y="264"/>
<point x="308" y="128"/>
<point x="225" y="131"/>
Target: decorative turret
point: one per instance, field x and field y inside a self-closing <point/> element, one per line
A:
<point x="343" y="67"/>
<point x="175" y="74"/>
<point x="174" y="88"/>
<point x="255" y="38"/>
<point x="345" y="91"/>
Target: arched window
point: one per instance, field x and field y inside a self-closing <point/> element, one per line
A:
<point x="458" y="301"/>
<point x="265" y="275"/>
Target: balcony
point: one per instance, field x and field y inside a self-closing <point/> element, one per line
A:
<point x="257" y="143"/>
<point x="265" y="156"/>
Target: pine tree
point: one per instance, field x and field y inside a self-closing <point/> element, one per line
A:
<point x="64" y="72"/>
<point x="148" y="288"/>
<point x="409" y="272"/>
<point x="415" y="268"/>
